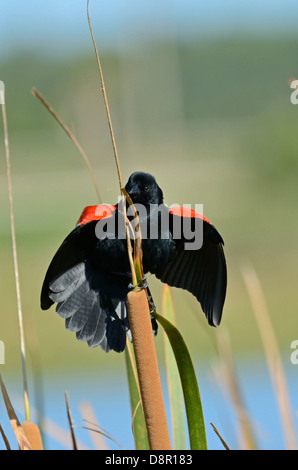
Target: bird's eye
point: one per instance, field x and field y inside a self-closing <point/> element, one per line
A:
<point x="146" y="188"/>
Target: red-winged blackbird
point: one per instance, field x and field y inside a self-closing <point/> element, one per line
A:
<point x="89" y="277"/>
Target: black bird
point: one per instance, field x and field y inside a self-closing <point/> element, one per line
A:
<point x="89" y="277"/>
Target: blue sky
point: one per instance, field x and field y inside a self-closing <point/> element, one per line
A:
<point x="58" y="26"/>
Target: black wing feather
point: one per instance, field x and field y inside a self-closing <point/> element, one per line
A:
<point x="202" y="272"/>
<point x="72" y="252"/>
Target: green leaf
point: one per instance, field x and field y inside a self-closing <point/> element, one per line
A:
<point x="138" y="420"/>
<point x="174" y="383"/>
<point x="138" y="270"/>
<point x="192" y="399"/>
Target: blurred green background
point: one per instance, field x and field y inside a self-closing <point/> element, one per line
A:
<point x="210" y="116"/>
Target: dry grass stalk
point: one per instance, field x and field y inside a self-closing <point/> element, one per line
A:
<point x="73" y="437"/>
<point x="272" y="353"/>
<point x="6" y="442"/>
<point x="100" y="431"/>
<point x="88" y="415"/>
<point x="103" y="89"/>
<point x="59" y="434"/>
<point x="71" y="135"/>
<point x="221" y="439"/>
<point x="123" y="192"/>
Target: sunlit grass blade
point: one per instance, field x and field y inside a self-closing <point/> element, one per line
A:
<point x="138" y="420"/>
<point x="229" y="375"/>
<point x="174" y="384"/>
<point x="272" y="353"/>
<point x="192" y="399"/>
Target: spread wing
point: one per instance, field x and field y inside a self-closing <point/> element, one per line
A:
<point x="75" y="247"/>
<point x="202" y="271"/>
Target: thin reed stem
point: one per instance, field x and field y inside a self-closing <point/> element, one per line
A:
<point x="145" y="353"/>
<point x="15" y="260"/>
<point x="103" y="89"/>
<point x="70" y="422"/>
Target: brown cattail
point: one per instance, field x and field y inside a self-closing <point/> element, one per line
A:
<point x="33" y="435"/>
<point x="148" y="373"/>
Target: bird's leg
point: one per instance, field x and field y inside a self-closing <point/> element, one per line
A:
<point x="151" y="303"/>
<point x="152" y="309"/>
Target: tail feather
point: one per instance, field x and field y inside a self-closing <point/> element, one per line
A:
<point x="78" y="320"/>
<point x="96" y="315"/>
<point x="116" y="337"/>
<point x="68" y="307"/>
<point x="99" y="336"/>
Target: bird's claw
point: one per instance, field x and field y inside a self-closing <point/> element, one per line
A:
<point x="143" y="284"/>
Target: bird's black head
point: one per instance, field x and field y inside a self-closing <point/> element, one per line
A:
<point x="143" y="189"/>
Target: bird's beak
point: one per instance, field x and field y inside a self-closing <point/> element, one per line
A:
<point x="134" y="190"/>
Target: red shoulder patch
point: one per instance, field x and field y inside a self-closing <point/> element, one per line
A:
<point x="188" y="212"/>
<point x="98" y="212"/>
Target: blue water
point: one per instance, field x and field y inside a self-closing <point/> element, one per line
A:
<point x="107" y="393"/>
